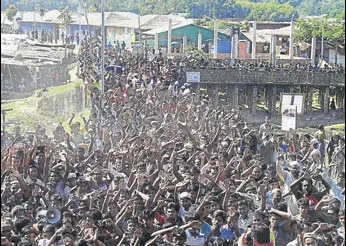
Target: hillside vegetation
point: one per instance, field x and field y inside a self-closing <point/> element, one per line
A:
<point x="264" y="10"/>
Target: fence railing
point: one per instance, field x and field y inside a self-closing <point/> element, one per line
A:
<point x="263" y="77"/>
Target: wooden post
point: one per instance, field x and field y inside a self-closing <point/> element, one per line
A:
<point x="254" y="100"/>
<point x="343" y="101"/>
<point x="268" y="97"/>
<point x="310" y="98"/>
<point x="320" y="97"/>
<point x="3" y="112"/>
<point x="235" y="99"/>
<point x="326" y="100"/>
<point x="273" y="99"/>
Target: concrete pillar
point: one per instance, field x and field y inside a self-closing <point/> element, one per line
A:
<point x="184" y="43"/>
<point x="273" y="48"/>
<point x="253" y="53"/>
<point x="156" y="42"/>
<point x="291" y="40"/>
<point x="199" y="41"/>
<point x="313" y="50"/>
<point x="266" y="94"/>
<point x="341" y="99"/>
<point x="326" y="100"/>
<point x="268" y="97"/>
<point x="254" y="99"/>
<point x="169" y="41"/>
<point x="215" y="39"/>
<point x="236" y="46"/>
<point x="310" y="98"/>
<point x="273" y="99"/>
<point x="320" y="97"/>
<point x="337" y="98"/>
<point x="232" y="47"/>
<point x="217" y="96"/>
<point x="235" y="98"/>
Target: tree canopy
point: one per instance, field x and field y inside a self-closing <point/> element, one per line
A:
<point x="333" y="30"/>
<point x="11" y="12"/>
<point x="263" y="10"/>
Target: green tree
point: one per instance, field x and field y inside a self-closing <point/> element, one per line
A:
<point x="11" y="12"/>
<point x="333" y="31"/>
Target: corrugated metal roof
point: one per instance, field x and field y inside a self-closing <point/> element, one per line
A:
<point x="118" y="19"/>
<point x="164" y="28"/>
<point x="122" y="20"/>
<point x="21" y="14"/>
<point x="265" y="35"/>
<point x="162" y="20"/>
<point x="30" y="16"/>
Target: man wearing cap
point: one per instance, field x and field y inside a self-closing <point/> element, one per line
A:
<point x="186" y="207"/>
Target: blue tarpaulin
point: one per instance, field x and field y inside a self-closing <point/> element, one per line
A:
<point x="224" y="47"/>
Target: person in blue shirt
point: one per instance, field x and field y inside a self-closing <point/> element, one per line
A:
<point x="110" y="46"/>
<point x="221" y="229"/>
<point x="196" y="234"/>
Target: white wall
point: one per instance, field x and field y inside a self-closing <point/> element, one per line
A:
<point x="340" y="58"/>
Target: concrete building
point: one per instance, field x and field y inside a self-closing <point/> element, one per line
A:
<point x="191" y="32"/>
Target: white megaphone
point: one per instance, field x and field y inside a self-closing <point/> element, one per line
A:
<point x="53" y="215"/>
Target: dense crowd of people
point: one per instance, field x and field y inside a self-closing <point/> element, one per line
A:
<point x="156" y="164"/>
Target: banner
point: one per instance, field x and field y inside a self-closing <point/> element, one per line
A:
<point x="289" y="117"/>
<point x="193" y="77"/>
<point x="295" y="99"/>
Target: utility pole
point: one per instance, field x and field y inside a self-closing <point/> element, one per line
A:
<point x="215" y="39"/>
<point x="103" y="46"/>
<point x="80" y="19"/>
<point x="291" y="52"/>
<point x="139" y="21"/>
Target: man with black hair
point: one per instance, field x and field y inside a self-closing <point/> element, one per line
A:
<point x="303" y="188"/>
<point x="280" y="227"/>
<point x="172" y="212"/>
<point x="221" y="229"/>
<point x="245" y="215"/>
<point x="258" y="235"/>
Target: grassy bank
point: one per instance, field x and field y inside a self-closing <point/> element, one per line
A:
<point x="25" y="113"/>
